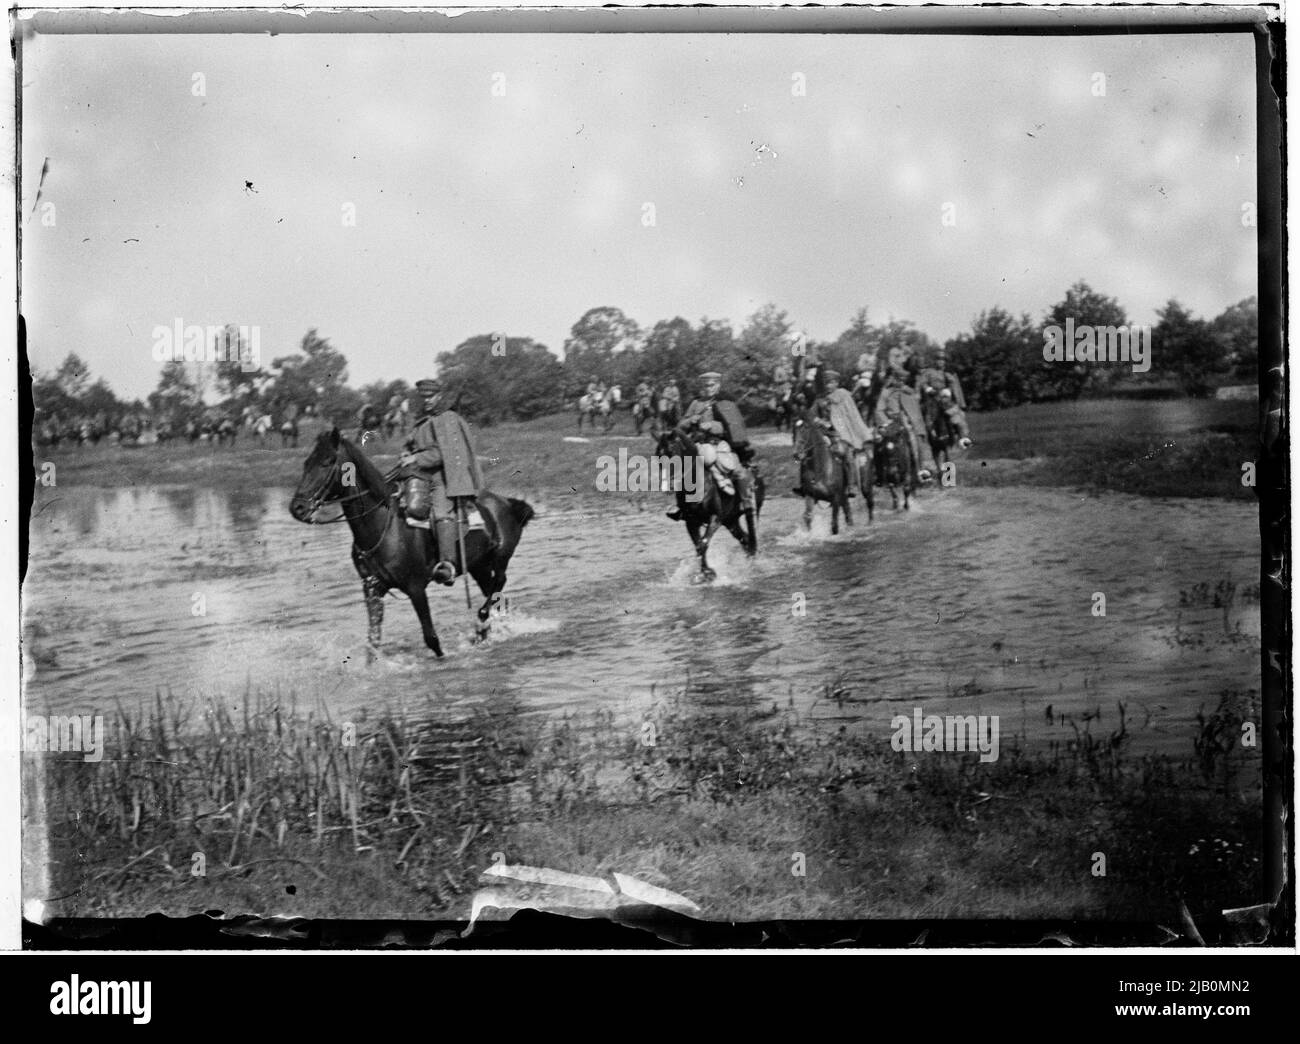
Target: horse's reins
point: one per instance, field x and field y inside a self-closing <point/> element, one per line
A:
<point x="320" y="498"/>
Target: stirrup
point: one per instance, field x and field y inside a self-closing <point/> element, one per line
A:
<point x="444" y="573"/>
<point x="418" y="523"/>
<point x="675" y="514"/>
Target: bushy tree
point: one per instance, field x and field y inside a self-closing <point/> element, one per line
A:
<point x="670" y="352"/>
<point x="843" y="353"/>
<point x="49" y="399"/>
<point x="767" y="340"/>
<point x="1237" y="329"/>
<point x="72" y="376"/>
<point x="176" y="396"/>
<point x="996" y="360"/>
<point x="492" y="378"/>
<point x="1068" y="380"/>
<point x="237" y="374"/>
<point x="595" y="340"/>
<point x="1186" y="348"/>
<point x="315" y="376"/>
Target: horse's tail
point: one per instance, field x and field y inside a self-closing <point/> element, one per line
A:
<point x="522" y="510"/>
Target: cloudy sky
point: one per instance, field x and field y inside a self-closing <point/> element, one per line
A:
<point x="500" y="183"/>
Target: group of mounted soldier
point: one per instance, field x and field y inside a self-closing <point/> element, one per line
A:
<point x="431" y="519"/>
<point x="134" y="427"/>
<point x="885" y="397"/>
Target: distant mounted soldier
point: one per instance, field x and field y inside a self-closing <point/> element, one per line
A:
<point x="836" y="412"/>
<point x="941" y="395"/>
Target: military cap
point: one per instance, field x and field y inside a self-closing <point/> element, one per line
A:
<point x="428" y="386"/>
<point x="710" y="376"/>
<point x="830" y="375"/>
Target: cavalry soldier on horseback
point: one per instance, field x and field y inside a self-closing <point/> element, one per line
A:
<point x="439" y="468"/>
<point x="643" y="407"/>
<point x="838" y="415"/>
<point x="367" y="420"/>
<point x="670" y="404"/>
<point x="899" y="401"/>
<point x="867" y="382"/>
<point x="941" y="394"/>
<point x="719" y="431"/>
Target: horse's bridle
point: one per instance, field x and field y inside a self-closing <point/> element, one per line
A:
<point x="321" y="497"/>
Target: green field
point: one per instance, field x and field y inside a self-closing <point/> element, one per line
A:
<point x="1182" y="447"/>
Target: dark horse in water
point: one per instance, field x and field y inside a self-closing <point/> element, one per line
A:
<point x="894" y="462"/>
<point x="712" y="506"/>
<point x="826" y="477"/>
<point x="389" y="554"/>
<point x="944" y="435"/>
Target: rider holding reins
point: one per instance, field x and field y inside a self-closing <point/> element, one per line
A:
<point x="941" y="394"/>
<point x="838" y="414"/>
<point x="720" y="435"/>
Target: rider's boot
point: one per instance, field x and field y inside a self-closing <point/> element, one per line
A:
<point x="447" y="538"/>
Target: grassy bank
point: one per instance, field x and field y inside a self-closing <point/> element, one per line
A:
<point x="279" y="811"/>
<point x="1174" y="448"/>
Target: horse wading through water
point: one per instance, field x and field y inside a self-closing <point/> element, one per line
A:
<point x="387" y="553"/>
<point x="716" y="507"/>
<point x="824" y="476"/>
<point x="894" y="462"/>
<point x="944" y="435"/>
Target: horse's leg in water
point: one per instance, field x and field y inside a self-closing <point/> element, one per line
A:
<point x="420" y="603"/>
<point x="374" y="592"/>
<point x="693" y="531"/>
<point x="490" y="580"/>
<point x="705" y="540"/>
<point x="751" y="524"/>
<point x="846" y="478"/>
<point x="738" y="531"/>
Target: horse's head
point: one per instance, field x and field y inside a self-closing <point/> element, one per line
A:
<point x="804" y="434"/>
<point x="322" y="475"/>
<point x="891" y="434"/>
<point x="675" y="443"/>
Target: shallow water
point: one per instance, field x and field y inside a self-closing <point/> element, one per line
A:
<point x="977" y="601"/>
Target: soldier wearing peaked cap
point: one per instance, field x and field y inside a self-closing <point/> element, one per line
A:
<point x="837" y="413"/>
<point x="941" y="394"/>
<point x="723" y="442"/>
<point x="441" y="471"/>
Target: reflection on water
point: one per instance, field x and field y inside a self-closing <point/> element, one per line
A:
<point x="978" y="601"/>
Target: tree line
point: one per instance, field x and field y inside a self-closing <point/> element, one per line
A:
<point x="494" y="377"/>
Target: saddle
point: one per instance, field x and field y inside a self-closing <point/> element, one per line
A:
<point x="408" y="491"/>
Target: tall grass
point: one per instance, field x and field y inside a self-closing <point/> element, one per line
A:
<point x="434" y="798"/>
